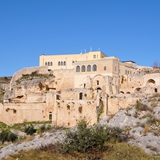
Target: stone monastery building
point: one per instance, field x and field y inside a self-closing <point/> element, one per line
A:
<point x="65" y="88"/>
<point x="90" y="65"/>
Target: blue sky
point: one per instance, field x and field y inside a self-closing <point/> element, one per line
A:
<point x="127" y="29"/>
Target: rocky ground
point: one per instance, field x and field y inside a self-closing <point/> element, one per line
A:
<point x="46" y="138"/>
<point x="141" y="122"/>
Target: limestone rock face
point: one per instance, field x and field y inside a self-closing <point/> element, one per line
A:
<point x="29" y="87"/>
<point x="121" y="119"/>
<point x="141" y="123"/>
<point x="156" y="112"/>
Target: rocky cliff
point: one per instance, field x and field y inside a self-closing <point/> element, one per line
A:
<point x="141" y="122"/>
<point x="29" y="86"/>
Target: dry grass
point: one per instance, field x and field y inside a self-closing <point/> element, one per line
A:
<point x="142" y="107"/>
<point x="154" y="103"/>
<point x="156" y="95"/>
<point x="114" y="151"/>
<point x="146" y="128"/>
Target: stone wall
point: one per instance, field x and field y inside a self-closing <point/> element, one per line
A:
<point x="69" y="111"/>
<point x="22" y="112"/>
<point x="64" y="79"/>
<point x="115" y="103"/>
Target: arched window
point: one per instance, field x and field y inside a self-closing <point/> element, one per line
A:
<point x="51" y="63"/>
<point x="88" y="68"/>
<point x="64" y="63"/>
<point x="45" y="63"/>
<point x="78" y="69"/>
<point x="48" y="63"/>
<point x="61" y="63"/>
<point x="50" y="116"/>
<point x="72" y="62"/>
<point x="83" y="68"/>
<point x="94" y="67"/>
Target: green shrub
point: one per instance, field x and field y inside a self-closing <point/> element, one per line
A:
<point x="85" y="138"/>
<point x="3" y="136"/>
<point x="42" y="128"/>
<point x="29" y="130"/>
<point x="7" y="136"/>
<point x="12" y="137"/>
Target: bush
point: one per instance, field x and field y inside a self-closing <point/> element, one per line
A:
<point x="42" y="128"/>
<point x="7" y="136"/>
<point x="12" y="137"/>
<point x="3" y="136"/>
<point x="86" y="138"/>
<point x="29" y="130"/>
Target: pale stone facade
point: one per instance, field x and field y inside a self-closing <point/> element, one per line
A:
<point x="67" y="87"/>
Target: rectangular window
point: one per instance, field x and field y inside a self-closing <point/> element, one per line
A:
<point x="104" y="68"/>
<point x="97" y="82"/>
<point x="94" y="56"/>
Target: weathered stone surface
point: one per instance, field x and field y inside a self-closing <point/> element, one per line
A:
<point x="18" y="132"/>
<point x="156" y="112"/>
<point x="121" y="120"/>
<point x="149" y="142"/>
<point x="47" y="138"/>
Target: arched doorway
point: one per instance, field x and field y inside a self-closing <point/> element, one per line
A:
<point x="80" y="96"/>
<point x="50" y="116"/>
<point x="151" y="83"/>
<point x="98" y="89"/>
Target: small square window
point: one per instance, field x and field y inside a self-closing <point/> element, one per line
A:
<point x="94" y="56"/>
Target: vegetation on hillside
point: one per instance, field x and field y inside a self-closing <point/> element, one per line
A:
<point x="87" y="143"/>
<point x="33" y="75"/>
<point x="5" y="80"/>
<point x="1" y="95"/>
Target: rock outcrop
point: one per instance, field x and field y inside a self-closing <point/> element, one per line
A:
<point x="29" y="86"/>
<point x="141" y="122"/>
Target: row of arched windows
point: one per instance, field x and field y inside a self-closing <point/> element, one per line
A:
<point x="48" y="63"/>
<point x="61" y="63"/>
<point x="83" y="68"/>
